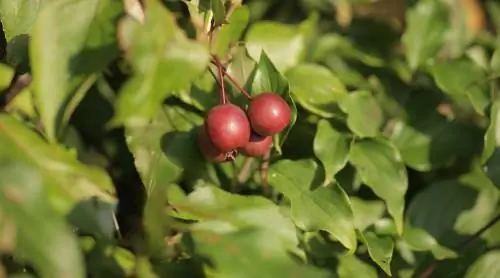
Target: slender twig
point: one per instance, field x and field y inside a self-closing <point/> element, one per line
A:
<point x="235" y="83"/>
<point x="16" y="86"/>
<point x="430" y="269"/>
<point x="222" y="91"/>
<point x="243" y="173"/>
<point x="264" y="167"/>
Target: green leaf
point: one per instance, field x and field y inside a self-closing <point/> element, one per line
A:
<point x="6" y="75"/>
<point x="325" y="208"/>
<point x="156" y="146"/>
<point x="32" y="228"/>
<point x="219" y="11"/>
<point x="366" y="213"/>
<point x="230" y="33"/>
<point x="18" y="17"/>
<point x="434" y="141"/>
<point x="450" y="207"/>
<point x="231" y="253"/>
<point x="164" y="61"/>
<point x="332" y="148"/>
<point x="427" y="23"/>
<point x="351" y="266"/>
<point x="65" y="57"/>
<point x="380" y="249"/>
<point x="381" y="168"/>
<point x="241" y="66"/>
<point x="463" y="77"/>
<point x="495" y="62"/>
<point x="68" y="180"/>
<point x="316" y="88"/>
<point x="283" y="43"/>
<point x="487" y="266"/>
<point x="364" y="115"/>
<point x="492" y="136"/>
<point x="419" y="240"/>
<point x="223" y="212"/>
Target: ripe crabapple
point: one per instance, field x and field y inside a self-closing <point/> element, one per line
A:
<point x="257" y="146"/>
<point x="268" y="114"/>
<point x="228" y="127"/>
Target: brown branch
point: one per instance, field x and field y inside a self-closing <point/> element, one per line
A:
<point x="235" y="83"/>
<point x="18" y="83"/>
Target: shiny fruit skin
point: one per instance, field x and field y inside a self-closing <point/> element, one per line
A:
<point x="228" y="127"/>
<point x="258" y="146"/>
<point x="269" y="114"/>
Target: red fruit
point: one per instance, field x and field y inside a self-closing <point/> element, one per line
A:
<point x="209" y="151"/>
<point x="228" y="127"/>
<point x="257" y="146"/>
<point x="269" y="114"/>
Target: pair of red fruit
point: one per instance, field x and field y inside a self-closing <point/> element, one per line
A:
<point x="228" y="130"/>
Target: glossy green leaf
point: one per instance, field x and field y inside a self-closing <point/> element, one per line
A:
<point x="366" y="212"/>
<point x="65" y="58"/>
<point x="241" y="67"/>
<point x="18" y="17"/>
<point x="243" y="250"/>
<point x="316" y="88"/>
<point x="351" y="266"/>
<point x="419" y="240"/>
<point x="487" y="266"/>
<point x="380" y="249"/>
<point x="332" y="148"/>
<point x="154" y="49"/>
<point x="30" y="226"/>
<point x="283" y="43"/>
<point x="6" y="75"/>
<point x="449" y="207"/>
<point x="230" y="33"/>
<point x="325" y="208"/>
<point x="427" y="23"/>
<point x="381" y="168"/>
<point x="223" y="212"/>
<point x="68" y="180"/>
<point x="364" y="115"/>
<point x="463" y="77"/>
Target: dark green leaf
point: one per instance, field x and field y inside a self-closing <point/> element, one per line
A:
<point x="381" y="168"/>
<point x="463" y="78"/>
<point x="283" y="43"/>
<point x="492" y="137"/>
<point x="32" y="228"/>
<point x="18" y="17"/>
<point x="379" y="248"/>
<point x="316" y="88"/>
<point x="164" y="61"/>
<point x="65" y="60"/>
<point x="325" y="208"/>
<point x="487" y="266"/>
<point x="427" y="22"/>
<point x="331" y="148"/>
<point x="364" y="115"/>
<point x="219" y="11"/>
<point x="452" y="207"/>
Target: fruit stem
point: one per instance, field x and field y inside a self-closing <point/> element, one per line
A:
<point x="264" y="168"/>
<point x="222" y="91"/>
<point x="217" y="62"/>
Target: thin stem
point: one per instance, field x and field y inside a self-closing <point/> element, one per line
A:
<point x="243" y="173"/>
<point x="264" y="168"/>
<point x="235" y="83"/>
<point x="222" y="91"/>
